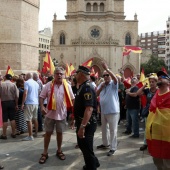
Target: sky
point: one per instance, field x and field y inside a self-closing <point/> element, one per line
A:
<point x="152" y="14"/>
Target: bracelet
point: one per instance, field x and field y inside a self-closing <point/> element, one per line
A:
<point x="82" y="126"/>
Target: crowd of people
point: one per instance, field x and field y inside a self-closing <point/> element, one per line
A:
<point x="34" y="105"/>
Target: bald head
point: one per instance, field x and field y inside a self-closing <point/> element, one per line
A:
<point x="35" y="76"/>
<point x="29" y="76"/>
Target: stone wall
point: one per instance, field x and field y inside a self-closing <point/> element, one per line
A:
<point x="19" y="35"/>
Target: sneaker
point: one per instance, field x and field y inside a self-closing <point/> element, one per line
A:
<point x="102" y="146"/>
<point x="28" y="138"/>
<point x="111" y="152"/>
<point x="144" y="147"/>
<point x="134" y="136"/>
<point x="127" y="132"/>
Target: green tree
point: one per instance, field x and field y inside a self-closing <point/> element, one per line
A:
<point x="153" y="65"/>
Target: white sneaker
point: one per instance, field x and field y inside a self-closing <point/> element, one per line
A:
<point x="28" y="138"/>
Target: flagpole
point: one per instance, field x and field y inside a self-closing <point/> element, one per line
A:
<point x="139" y="61"/>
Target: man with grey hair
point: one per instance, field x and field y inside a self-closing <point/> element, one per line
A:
<point x="36" y="78"/>
<point x="60" y="98"/>
<point x="30" y="104"/>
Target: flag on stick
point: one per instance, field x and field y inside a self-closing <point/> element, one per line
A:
<point x="9" y="71"/>
<point x="72" y="69"/>
<point x="128" y="49"/>
<point x="67" y="73"/>
<point x="88" y="63"/>
<point x="48" y="64"/>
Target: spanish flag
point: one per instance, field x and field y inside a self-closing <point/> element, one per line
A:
<point x="52" y="105"/>
<point x="48" y="64"/>
<point x="158" y="126"/>
<point x="9" y="71"/>
<point x="67" y="73"/>
<point x="88" y="63"/>
<point x="128" y="49"/>
<point x="72" y="69"/>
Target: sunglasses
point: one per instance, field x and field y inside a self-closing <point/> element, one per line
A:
<point x="106" y="75"/>
<point x="164" y="77"/>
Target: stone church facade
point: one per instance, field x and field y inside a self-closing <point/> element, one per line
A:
<point x="19" y="35"/>
<point x="95" y="29"/>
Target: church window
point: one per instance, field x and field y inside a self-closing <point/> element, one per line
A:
<point x="62" y="39"/>
<point x="102" y="7"/>
<point x="95" y="7"/>
<point x="88" y="7"/>
<point x="128" y="39"/>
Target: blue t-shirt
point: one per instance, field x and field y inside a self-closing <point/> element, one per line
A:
<point x="32" y="88"/>
<point x="109" y="100"/>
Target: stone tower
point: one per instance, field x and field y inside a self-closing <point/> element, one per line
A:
<point x="19" y="35"/>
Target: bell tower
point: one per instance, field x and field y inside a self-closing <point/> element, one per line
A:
<point x="95" y="9"/>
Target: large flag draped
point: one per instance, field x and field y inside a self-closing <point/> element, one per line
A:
<point x="48" y="64"/>
<point x="88" y="63"/>
<point x="158" y="126"/>
<point x="9" y="71"/>
<point x="128" y="49"/>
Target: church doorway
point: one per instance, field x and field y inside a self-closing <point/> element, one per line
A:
<point x="128" y="73"/>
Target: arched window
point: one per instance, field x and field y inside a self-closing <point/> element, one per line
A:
<point x="88" y="7"/>
<point x="128" y="39"/>
<point x="95" y="7"/>
<point x="102" y="7"/>
<point x="62" y="38"/>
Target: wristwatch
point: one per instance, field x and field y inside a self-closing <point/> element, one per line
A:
<point x="82" y="126"/>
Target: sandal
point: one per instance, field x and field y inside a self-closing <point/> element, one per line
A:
<point x="60" y="155"/>
<point x="43" y="158"/>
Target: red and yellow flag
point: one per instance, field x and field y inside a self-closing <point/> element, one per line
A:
<point x="9" y="71"/>
<point x="72" y="69"/>
<point x="88" y="63"/>
<point x="67" y="73"/>
<point x="158" y="126"/>
<point x="128" y="49"/>
<point x="52" y="105"/>
<point x="48" y="64"/>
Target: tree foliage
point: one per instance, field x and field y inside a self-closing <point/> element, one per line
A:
<point x="153" y="65"/>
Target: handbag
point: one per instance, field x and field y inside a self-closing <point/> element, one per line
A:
<point x="145" y="111"/>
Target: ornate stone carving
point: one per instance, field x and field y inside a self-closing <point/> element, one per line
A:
<point x="108" y="41"/>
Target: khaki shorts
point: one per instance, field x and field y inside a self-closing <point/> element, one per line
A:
<point x="49" y="125"/>
<point x="30" y="111"/>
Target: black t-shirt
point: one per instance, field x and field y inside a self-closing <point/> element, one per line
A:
<point x="21" y="92"/>
<point x="74" y="89"/>
<point x="133" y="102"/>
<point x="86" y="96"/>
<point x="149" y="95"/>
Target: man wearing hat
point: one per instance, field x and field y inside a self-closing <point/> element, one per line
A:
<point x="9" y="99"/>
<point x="85" y="108"/>
<point x="158" y="124"/>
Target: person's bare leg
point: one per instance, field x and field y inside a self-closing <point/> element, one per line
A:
<point x="35" y="125"/>
<point x="29" y="124"/>
<point x="47" y="138"/>
<point x="5" y="124"/>
<point x="59" y="140"/>
<point x="13" y="126"/>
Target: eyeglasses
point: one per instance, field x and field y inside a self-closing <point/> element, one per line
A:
<point x="164" y="77"/>
<point x="106" y="75"/>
